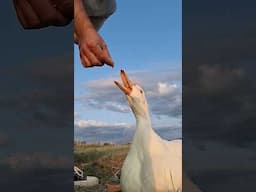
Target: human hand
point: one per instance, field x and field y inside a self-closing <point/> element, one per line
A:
<point x="34" y="14"/>
<point x="93" y="49"/>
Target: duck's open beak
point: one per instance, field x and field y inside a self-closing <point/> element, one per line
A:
<point x="126" y="87"/>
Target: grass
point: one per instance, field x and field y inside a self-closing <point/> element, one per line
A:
<point x="102" y="161"/>
<point x="89" y="153"/>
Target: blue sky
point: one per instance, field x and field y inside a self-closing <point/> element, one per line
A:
<point x="144" y="38"/>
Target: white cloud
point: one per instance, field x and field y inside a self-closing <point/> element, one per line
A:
<point x="165" y="88"/>
<point x="93" y="123"/>
<point x="100" y="84"/>
<point x="163" y="91"/>
<point x="93" y="131"/>
<point x="112" y="106"/>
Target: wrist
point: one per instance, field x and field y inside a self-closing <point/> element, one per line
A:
<point x="85" y="31"/>
<point x="81" y="20"/>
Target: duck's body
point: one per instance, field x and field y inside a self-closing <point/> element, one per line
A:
<point x="152" y="164"/>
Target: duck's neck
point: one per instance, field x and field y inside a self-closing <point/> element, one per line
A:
<point x="143" y="122"/>
<point x="144" y="129"/>
<point x="144" y="137"/>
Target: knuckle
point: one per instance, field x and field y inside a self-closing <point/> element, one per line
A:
<point x="90" y="45"/>
<point x="83" y="50"/>
<point x="104" y="45"/>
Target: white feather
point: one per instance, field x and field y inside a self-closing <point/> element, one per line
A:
<point x="152" y="164"/>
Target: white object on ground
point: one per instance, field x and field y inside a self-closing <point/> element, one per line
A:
<point x="90" y="182"/>
<point x="78" y="172"/>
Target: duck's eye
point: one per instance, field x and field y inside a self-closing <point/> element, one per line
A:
<point x="141" y="91"/>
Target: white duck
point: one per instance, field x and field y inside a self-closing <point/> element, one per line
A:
<point x="152" y="164"/>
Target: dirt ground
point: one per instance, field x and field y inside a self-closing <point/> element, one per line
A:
<point x="98" y="188"/>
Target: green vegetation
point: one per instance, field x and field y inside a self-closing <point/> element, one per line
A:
<point x="103" y="161"/>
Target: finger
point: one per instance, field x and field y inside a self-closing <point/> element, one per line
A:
<point x="92" y="58"/>
<point x="98" y="52"/>
<point x="29" y="18"/>
<point x="101" y="52"/>
<point x="107" y="58"/>
<point x="84" y="60"/>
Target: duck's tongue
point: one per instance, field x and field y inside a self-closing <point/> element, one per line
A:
<point x="126" y="87"/>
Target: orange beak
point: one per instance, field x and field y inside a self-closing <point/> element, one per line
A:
<point x="126" y="87"/>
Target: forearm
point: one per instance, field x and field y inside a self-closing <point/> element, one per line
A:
<point x="81" y="19"/>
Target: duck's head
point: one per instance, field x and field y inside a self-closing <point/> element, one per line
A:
<point x="134" y="94"/>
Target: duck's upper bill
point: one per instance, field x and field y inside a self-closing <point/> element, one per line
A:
<point x="126" y="87"/>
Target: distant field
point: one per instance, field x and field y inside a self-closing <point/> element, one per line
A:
<point x="102" y="161"/>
